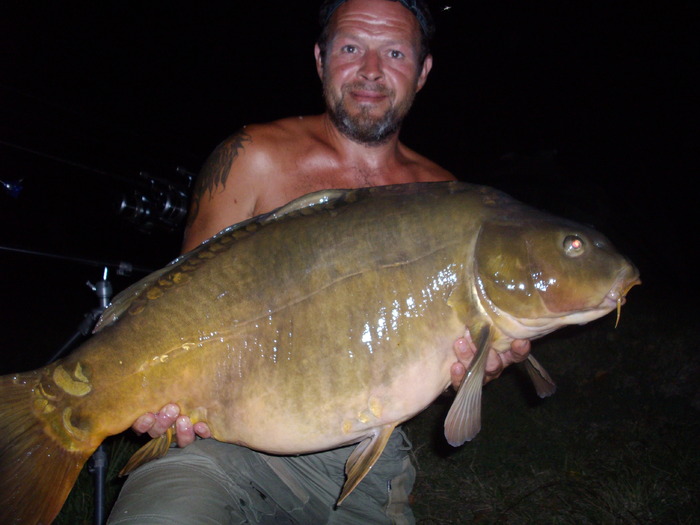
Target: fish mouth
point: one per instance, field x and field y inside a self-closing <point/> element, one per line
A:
<point x="616" y="297"/>
<point x="535" y="327"/>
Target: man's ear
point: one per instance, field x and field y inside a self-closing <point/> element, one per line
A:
<point x="425" y="69"/>
<point x="319" y="61"/>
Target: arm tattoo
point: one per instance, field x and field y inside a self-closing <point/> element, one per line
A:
<point x="216" y="170"/>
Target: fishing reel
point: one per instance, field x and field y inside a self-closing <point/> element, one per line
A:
<point x="157" y="204"/>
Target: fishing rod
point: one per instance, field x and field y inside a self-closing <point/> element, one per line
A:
<point x="122" y="267"/>
<point x="154" y="202"/>
<point x="149" y="203"/>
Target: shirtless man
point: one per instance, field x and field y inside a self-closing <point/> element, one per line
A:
<point x="372" y="57"/>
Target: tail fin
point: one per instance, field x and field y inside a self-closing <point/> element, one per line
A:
<point x="36" y="471"/>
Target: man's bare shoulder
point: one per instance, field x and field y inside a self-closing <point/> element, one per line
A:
<point x="286" y="130"/>
<point x="262" y="149"/>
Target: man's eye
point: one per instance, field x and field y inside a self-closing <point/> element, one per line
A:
<point x="348" y="49"/>
<point x="396" y="54"/>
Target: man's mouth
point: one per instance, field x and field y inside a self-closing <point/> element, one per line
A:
<point x="367" y="95"/>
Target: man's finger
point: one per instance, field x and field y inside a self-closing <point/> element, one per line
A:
<point x="457" y="371"/>
<point x="202" y="430"/>
<point x="494" y="365"/>
<point x="520" y="350"/>
<point x="184" y="431"/>
<point x="164" y="420"/>
<point x="144" y="423"/>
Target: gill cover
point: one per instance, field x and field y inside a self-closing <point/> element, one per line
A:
<point x="544" y="267"/>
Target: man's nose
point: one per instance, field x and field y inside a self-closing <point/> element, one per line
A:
<point x="371" y="67"/>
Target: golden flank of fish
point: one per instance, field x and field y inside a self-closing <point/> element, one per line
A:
<point x="326" y="323"/>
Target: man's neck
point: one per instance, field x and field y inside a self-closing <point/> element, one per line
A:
<point x="370" y="157"/>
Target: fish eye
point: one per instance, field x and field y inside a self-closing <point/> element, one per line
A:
<point x="573" y="245"/>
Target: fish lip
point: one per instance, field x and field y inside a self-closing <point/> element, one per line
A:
<point x="626" y="280"/>
<point x="616" y="297"/>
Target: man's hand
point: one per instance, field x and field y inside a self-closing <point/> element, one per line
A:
<point x="465" y="350"/>
<point x="156" y="425"/>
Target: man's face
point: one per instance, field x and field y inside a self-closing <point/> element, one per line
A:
<point x="371" y="72"/>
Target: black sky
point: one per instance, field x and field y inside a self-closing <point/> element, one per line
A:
<point x="583" y="108"/>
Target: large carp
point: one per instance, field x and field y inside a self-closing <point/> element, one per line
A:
<point x="326" y="323"/>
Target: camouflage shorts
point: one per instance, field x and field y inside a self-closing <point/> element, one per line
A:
<point x="210" y="482"/>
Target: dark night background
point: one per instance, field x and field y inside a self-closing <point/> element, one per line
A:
<point x="582" y="108"/>
<point x="585" y="109"/>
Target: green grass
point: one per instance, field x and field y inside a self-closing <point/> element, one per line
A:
<point x="617" y="444"/>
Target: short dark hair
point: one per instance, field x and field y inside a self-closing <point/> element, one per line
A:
<point x="418" y="7"/>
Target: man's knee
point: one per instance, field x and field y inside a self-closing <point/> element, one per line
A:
<point x="179" y="488"/>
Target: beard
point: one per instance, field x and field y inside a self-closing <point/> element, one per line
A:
<point x="363" y="126"/>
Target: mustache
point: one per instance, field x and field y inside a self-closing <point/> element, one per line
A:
<point x="368" y="86"/>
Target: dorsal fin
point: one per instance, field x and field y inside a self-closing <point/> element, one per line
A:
<point x="312" y="203"/>
<point x="121" y="302"/>
<point x="305" y="205"/>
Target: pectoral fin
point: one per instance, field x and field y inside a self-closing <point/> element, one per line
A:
<point x="154" y="449"/>
<point x="463" y="421"/>
<point x="363" y="457"/>
<point x="544" y="385"/>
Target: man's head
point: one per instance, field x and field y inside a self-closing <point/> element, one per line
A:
<point x="417" y="7"/>
<point x="372" y="60"/>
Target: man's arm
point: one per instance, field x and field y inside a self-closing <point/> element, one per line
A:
<point x="217" y="198"/>
<point x="220" y="198"/>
